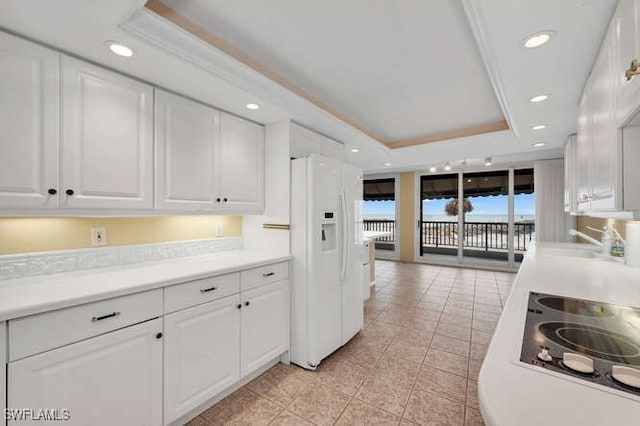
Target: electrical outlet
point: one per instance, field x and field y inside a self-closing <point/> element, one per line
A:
<point x="98" y="237"/>
<point x="218" y="230"/>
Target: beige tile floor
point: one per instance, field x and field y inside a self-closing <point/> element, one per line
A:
<point x="416" y="361"/>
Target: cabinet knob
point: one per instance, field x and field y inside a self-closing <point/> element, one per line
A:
<point x="218" y="200"/>
<point x="225" y="200"/>
<point x="159" y="336"/>
<point x="634" y="69"/>
<point x="239" y="305"/>
<point x="246" y="303"/>
<point x="52" y="191"/>
<point x="69" y="192"/>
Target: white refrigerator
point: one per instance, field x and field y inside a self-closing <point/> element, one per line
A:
<point x="326" y="243"/>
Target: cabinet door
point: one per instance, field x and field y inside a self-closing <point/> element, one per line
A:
<point x="332" y="149"/>
<point x="626" y="25"/>
<point x="569" y="175"/>
<point x="241" y="164"/>
<point x="29" y="119"/>
<point x="112" y="379"/>
<point x="201" y="354"/>
<point x="185" y="134"/>
<point x="583" y="154"/>
<point x="605" y="147"/>
<point x="264" y="325"/>
<point x="107" y="138"/>
<point x="304" y="142"/>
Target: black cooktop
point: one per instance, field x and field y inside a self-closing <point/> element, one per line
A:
<point x="607" y="334"/>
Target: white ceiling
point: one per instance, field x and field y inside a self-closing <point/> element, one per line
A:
<point x="399" y="69"/>
<point x="559" y="68"/>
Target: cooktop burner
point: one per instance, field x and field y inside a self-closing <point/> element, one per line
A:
<point x="584" y="339"/>
<point x="592" y="341"/>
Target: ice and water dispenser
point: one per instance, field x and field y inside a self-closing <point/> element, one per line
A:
<point x="328" y="231"/>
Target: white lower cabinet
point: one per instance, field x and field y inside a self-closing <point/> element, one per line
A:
<point x="3" y="371"/>
<point x="115" y="378"/>
<point x="201" y="354"/>
<point x="155" y="372"/>
<point x="264" y="326"/>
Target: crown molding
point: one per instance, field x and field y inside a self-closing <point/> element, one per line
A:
<point x="451" y="134"/>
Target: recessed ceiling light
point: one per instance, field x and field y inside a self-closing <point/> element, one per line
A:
<point x="253" y="106"/>
<point x="539" y="98"/>
<point x="537" y="144"/>
<point x="355" y="150"/>
<point x="432" y="169"/>
<point x="120" y="49"/>
<point x="488" y="162"/>
<point x="387" y="164"/>
<point x="447" y="166"/>
<point x="537" y="39"/>
<point x="539" y="127"/>
<point x="468" y="180"/>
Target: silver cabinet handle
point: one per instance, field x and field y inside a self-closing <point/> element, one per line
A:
<point x="268" y="274"/>
<point x="104" y="317"/>
<point x="206" y="290"/>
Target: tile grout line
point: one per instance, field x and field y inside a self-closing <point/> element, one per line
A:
<point x="413" y="388"/>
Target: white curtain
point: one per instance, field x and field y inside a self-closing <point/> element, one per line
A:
<point x="552" y="223"/>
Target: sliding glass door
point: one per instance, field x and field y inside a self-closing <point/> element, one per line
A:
<point x="486" y="215"/>
<point x="494" y="222"/>
<point x="379" y="214"/>
<point x="438" y="223"/>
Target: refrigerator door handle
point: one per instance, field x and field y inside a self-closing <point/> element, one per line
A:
<point x="345" y="246"/>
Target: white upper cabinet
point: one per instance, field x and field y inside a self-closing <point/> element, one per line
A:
<point x="570" y="197"/>
<point x="626" y="25"/>
<point x="186" y="135"/>
<point x="79" y="136"/>
<point x="206" y="160"/>
<point x="29" y="119"/>
<point x="607" y="137"/>
<point x="241" y="164"/>
<point x="583" y="155"/>
<point x="331" y="148"/>
<point x="107" y="139"/>
<point x="606" y="163"/>
<point x="304" y="142"/>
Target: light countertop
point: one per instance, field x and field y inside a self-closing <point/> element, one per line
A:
<point x="32" y="295"/>
<point x="372" y="235"/>
<point x="513" y="394"/>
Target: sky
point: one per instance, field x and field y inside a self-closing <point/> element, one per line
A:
<point x="524" y="205"/>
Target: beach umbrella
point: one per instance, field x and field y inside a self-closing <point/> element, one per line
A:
<point x="451" y="208"/>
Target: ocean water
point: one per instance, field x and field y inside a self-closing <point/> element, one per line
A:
<point x="493" y="218"/>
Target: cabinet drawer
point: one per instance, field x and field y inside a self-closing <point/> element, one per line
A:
<point x="39" y="333"/>
<point x="193" y="293"/>
<point x="256" y="277"/>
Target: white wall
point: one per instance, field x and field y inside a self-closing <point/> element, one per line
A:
<point x="552" y="223"/>
<point x="277" y="194"/>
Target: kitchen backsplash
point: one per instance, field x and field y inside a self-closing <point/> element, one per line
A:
<point x="42" y="263"/>
<point x="583" y="221"/>
<point x="28" y="235"/>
